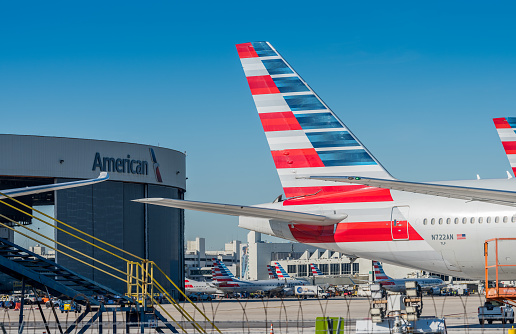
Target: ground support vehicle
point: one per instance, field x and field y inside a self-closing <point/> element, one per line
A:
<point x="200" y="296"/>
<point x="69" y="306"/>
<point x="304" y="291"/>
<point x="495" y="311"/>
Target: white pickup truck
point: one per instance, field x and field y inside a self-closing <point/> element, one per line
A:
<point x="495" y="311"/>
<point x="310" y="291"/>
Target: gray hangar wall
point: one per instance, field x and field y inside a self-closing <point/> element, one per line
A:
<point x="105" y="210"/>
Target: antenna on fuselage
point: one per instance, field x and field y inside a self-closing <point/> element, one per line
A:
<point x="509" y="176"/>
<point x="478" y="177"/>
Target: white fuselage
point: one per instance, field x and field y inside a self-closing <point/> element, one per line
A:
<point x="436" y="234"/>
<point x="270" y="285"/>
<point x="398" y="285"/>
<point x="192" y="286"/>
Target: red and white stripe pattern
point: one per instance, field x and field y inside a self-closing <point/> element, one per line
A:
<point x="305" y="137"/>
<point x="280" y="272"/>
<point x="315" y="270"/>
<point x="506" y="127"/>
<point x="188" y="284"/>
<point x="272" y="274"/>
<point x="220" y="275"/>
<point x="379" y="274"/>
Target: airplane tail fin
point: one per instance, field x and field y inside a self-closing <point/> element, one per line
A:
<point x="379" y="274"/>
<point x="506" y="128"/>
<point x="221" y="273"/>
<point x="272" y="274"/>
<point x="305" y="137"/>
<point x="315" y="270"/>
<point x="280" y="272"/>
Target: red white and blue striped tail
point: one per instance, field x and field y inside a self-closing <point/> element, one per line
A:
<point x="221" y="273"/>
<point x="506" y="127"/>
<point x="272" y="274"/>
<point x="315" y="270"/>
<point x="379" y="274"/>
<point x="280" y="272"/>
<point x="305" y="137"/>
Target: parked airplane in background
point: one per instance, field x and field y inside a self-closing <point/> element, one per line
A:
<point x="339" y="196"/>
<point x="192" y="286"/>
<point x="398" y="285"/>
<point x="315" y="270"/>
<point x="225" y="281"/>
<point x="280" y="272"/>
<point x="271" y="271"/>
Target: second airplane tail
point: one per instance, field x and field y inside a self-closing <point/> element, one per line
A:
<point x="221" y="273"/>
<point x="506" y="128"/>
<point x="280" y="272"/>
<point x="315" y="270"/>
<point x="379" y="274"/>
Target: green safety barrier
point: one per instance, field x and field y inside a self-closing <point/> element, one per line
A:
<point x="329" y="325"/>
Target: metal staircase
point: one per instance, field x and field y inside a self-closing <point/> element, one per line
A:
<point x="138" y="302"/>
<point x="42" y="274"/>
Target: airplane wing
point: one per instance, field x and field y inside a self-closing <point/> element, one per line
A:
<point x="249" y="211"/>
<point x="51" y="187"/>
<point x="503" y="197"/>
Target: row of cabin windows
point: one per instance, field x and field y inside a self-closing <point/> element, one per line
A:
<point x="472" y="220"/>
<point x="334" y="269"/>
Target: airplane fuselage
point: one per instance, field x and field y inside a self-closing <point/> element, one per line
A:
<point x="398" y="285"/>
<point x="436" y="234"/>
<point x="270" y="285"/>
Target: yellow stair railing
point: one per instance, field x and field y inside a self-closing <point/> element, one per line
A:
<point x="139" y="275"/>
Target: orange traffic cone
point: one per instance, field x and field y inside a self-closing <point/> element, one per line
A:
<point x="272" y="330"/>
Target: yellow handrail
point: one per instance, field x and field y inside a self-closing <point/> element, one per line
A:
<point x="69" y="226"/>
<point x="142" y="280"/>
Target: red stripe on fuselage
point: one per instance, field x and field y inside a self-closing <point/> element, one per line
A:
<point x="262" y="84"/>
<point x="298" y="158"/>
<point x="246" y="50"/>
<point x="337" y="194"/>
<point x="509" y="147"/>
<point x="348" y="232"/>
<point x="501" y="123"/>
<point x="279" y="121"/>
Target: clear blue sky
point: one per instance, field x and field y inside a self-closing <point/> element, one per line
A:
<point x="417" y="82"/>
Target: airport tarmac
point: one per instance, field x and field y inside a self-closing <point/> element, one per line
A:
<point x="287" y="315"/>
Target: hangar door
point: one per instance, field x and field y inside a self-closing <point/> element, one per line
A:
<point x="399" y="223"/>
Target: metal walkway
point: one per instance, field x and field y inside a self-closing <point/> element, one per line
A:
<point x="42" y="274"/>
<point x="46" y="275"/>
<point x="138" y="302"/>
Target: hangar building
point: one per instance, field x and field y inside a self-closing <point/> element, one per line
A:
<point x="103" y="210"/>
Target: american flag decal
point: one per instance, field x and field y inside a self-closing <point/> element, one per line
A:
<point x="461" y="236"/>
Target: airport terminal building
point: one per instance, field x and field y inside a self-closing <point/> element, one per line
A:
<point x="104" y="210"/>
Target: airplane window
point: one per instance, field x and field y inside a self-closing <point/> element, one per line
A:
<point x="440" y="221"/>
<point x="424" y="221"/>
<point x="497" y="219"/>
<point x="456" y="220"/>
<point x="464" y="220"/>
<point x="505" y="219"/>
<point x="472" y="220"/>
<point x="513" y="219"/>
<point x="488" y="220"/>
<point x="480" y="220"/>
<point x="432" y="221"/>
<point x="448" y="220"/>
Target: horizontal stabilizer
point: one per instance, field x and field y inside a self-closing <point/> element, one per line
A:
<point x="103" y="176"/>
<point x="248" y="211"/>
<point x="494" y="196"/>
